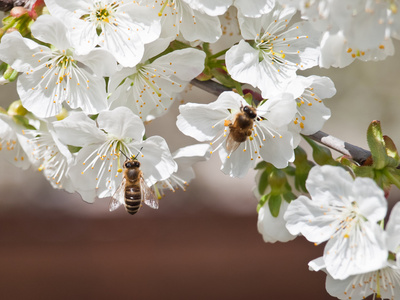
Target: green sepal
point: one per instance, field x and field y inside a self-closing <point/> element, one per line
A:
<point x="321" y="155"/>
<point x="21" y="120"/>
<point x="262" y="201"/>
<point x="364" y="171"/>
<point x="290" y="170"/>
<point x="74" y="149"/>
<point x="223" y="77"/>
<point x="13" y="76"/>
<point x="8" y="72"/>
<point x="376" y="144"/>
<point x="261" y="165"/>
<point x="391" y="151"/>
<point x="94" y="117"/>
<point x="264" y="181"/>
<point x="289" y="196"/>
<point x="16" y="108"/>
<point x="274" y="204"/>
<point x="303" y="167"/>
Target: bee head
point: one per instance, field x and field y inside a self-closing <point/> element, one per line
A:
<point x="250" y="111"/>
<point x="132" y="163"/>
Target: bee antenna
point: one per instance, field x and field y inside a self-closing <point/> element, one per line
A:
<point x="138" y="152"/>
<point x="124" y="154"/>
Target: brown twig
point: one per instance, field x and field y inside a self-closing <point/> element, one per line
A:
<point x="6" y="5"/>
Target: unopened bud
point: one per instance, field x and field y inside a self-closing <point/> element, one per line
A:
<point x="62" y="115"/>
<point x="18" y="11"/>
<point x="16" y="108"/>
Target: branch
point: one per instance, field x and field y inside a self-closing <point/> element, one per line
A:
<point x="358" y="154"/>
<point x="6" y="5"/>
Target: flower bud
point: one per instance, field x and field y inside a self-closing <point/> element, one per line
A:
<point x="18" y="11"/>
<point x="377" y="145"/>
<point x="16" y="108"/>
<point x="63" y="114"/>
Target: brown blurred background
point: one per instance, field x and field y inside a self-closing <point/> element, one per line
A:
<point x="200" y="244"/>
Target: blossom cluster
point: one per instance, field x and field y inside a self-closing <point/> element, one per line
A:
<point x="91" y="74"/>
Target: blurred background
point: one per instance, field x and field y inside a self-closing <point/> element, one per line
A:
<point x="200" y="244"/>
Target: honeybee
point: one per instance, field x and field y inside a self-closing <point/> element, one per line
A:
<point x="241" y="127"/>
<point x="133" y="190"/>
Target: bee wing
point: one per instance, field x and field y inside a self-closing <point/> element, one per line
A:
<point x="119" y="197"/>
<point x="231" y="144"/>
<point x="148" y="195"/>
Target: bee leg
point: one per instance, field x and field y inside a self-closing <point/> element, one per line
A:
<point x="228" y="123"/>
<point x="249" y="132"/>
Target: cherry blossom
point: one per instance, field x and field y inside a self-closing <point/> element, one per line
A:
<point x="52" y="76"/>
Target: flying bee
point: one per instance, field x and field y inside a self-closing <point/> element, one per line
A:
<point x="241" y="127"/>
<point x="133" y="190"/>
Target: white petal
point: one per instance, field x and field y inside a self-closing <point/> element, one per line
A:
<point x="254" y="8"/>
<point x="107" y="67"/>
<point x="279" y="109"/>
<point x="242" y="63"/>
<point x="199" y="26"/>
<point x="210" y="7"/>
<point x="363" y="251"/>
<point x="156" y="160"/>
<point x="238" y="163"/>
<point x="51" y="30"/>
<point x="186" y="157"/>
<point x="317" y="264"/>
<point x="78" y="130"/>
<point x="273" y="229"/>
<point x="200" y="121"/>
<point x="277" y="149"/>
<point x="370" y="199"/>
<point x="17" y="51"/>
<point x="310" y="219"/>
<point x="393" y="229"/>
<point x="121" y="123"/>
<point x="329" y="182"/>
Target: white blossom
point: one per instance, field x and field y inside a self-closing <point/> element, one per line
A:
<point x="269" y="140"/>
<point x="275" y="52"/>
<point x="50" y="156"/>
<point x="52" y="76"/>
<point x="345" y="213"/>
<point x="309" y="92"/>
<point x="122" y="27"/>
<point x="151" y="87"/>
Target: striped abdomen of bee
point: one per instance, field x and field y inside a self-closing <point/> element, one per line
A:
<point x="133" y="198"/>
